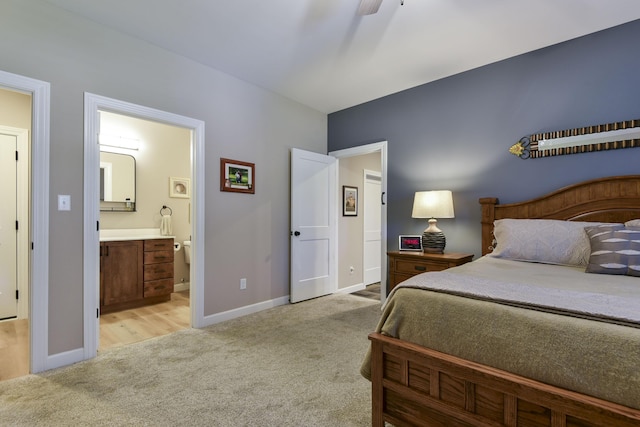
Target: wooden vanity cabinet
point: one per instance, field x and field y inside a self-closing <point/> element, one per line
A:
<point x="134" y="273"/>
<point x="120" y="273"/>
<point x="158" y="267"/>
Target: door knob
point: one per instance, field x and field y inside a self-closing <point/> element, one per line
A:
<point x="296" y="233"/>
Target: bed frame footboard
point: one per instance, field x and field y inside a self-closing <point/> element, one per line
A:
<point x="416" y="386"/>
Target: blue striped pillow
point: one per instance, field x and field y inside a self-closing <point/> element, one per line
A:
<point x="615" y="249"/>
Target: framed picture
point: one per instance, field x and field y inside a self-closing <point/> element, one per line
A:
<point x="349" y="201"/>
<point x="410" y="243"/>
<point x="179" y="187"/>
<point x="237" y="176"/>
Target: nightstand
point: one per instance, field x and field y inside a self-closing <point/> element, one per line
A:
<point x="405" y="264"/>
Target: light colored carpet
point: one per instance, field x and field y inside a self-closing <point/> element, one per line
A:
<point x="294" y="365"/>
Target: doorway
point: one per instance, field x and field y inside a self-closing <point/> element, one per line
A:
<point x="94" y="104"/>
<point x="33" y="220"/>
<point x="377" y="210"/>
<point x="14" y="240"/>
<point x="138" y="158"/>
<point x="314" y="222"/>
<point x="14" y="220"/>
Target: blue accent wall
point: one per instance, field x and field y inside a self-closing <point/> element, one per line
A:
<point x="455" y="133"/>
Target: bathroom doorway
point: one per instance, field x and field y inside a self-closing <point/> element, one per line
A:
<point x="95" y="107"/>
<point x="139" y="159"/>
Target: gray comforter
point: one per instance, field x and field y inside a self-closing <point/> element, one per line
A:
<point x="588" y="355"/>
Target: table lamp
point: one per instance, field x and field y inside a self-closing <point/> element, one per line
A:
<point x="432" y="205"/>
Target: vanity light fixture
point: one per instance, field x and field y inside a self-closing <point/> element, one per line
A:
<point x="119" y="142"/>
<point x="432" y="205"/>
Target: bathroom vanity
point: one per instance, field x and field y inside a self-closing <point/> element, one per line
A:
<point x="135" y="272"/>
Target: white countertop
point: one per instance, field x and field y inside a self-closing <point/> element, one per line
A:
<point x="131" y="234"/>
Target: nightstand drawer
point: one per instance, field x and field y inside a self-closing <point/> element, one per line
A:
<point x="404" y="265"/>
<point x="417" y="267"/>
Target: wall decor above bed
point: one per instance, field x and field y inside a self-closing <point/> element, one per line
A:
<point x="610" y="136"/>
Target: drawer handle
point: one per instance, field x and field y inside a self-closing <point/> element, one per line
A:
<point x="420" y="267"/>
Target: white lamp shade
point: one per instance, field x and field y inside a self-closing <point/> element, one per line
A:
<point x="433" y="204"/>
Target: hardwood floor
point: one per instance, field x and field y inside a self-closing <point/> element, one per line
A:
<point x="116" y="329"/>
<point x="138" y="324"/>
<point x="14" y="348"/>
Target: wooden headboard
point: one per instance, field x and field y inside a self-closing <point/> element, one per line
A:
<point x="612" y="199"/>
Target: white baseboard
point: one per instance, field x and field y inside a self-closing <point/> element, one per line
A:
<point x="77" y="355"/>
<point x="243" y="311"/>
<point x="264" y="305"/>
<point x="179" y="287"/>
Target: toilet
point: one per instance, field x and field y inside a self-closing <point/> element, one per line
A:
<point x="187" y="251"/>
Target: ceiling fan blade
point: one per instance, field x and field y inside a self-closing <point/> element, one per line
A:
<point x="368" y="7"/>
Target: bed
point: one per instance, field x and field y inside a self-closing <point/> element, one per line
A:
<point x="444" y="357"/>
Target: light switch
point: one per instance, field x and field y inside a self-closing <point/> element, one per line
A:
<point x="64" y="202"/>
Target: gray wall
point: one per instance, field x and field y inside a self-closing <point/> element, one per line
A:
<point x="242" y="122"/>
<point x="455" y="133"/>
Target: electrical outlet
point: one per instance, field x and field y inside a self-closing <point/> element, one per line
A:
<point x="243" y="283"/>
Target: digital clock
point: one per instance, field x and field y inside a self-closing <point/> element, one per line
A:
<point x="410" y="243"/>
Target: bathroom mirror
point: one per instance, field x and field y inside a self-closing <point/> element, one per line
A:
<point x="117" y="182"/>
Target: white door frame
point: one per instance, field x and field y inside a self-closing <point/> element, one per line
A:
<point x="375" y="147"/>
<point x="39" y="216"/>
<point x="22" y="216"/>
<point x="92" y="105"/>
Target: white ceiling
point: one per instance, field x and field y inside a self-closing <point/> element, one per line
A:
<point x="321" y="54"/>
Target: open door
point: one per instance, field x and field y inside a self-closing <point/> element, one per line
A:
<point x="372" y="217"/>
<point x="8" y="227"/>
<point x="313" y="225"/>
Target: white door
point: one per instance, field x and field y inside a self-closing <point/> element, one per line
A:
<point x="372" y="226"/>
<point x="8" y="234"/>
<point x="313" y="225"/>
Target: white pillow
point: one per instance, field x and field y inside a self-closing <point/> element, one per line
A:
<point x="547" y="241"/>
<point x="632" y="223"/>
